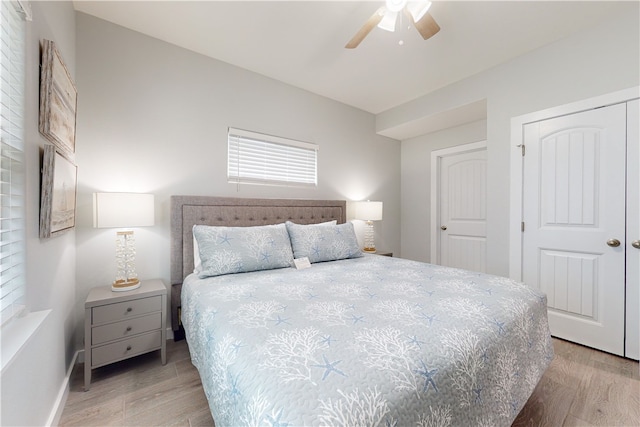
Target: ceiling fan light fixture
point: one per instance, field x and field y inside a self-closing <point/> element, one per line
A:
<point x="386" y="16"/>
<point x="418" y="9"/>
<point x="388" y="21"/>
<point x="395" y="5"/>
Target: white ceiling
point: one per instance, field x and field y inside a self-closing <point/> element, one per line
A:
<point x="302" y="42"/>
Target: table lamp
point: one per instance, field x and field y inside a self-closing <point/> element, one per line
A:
<point x="124" y="210"/>
<point x="368" y="211"/>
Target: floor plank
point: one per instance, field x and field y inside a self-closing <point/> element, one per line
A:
<point x="582" y="387"/>
<point x="607" y="399"/>
<point x="139" y="392"/>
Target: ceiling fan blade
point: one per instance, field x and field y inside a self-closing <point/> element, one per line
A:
<point x="427" y="26"/>
<point x="366" y="29"/>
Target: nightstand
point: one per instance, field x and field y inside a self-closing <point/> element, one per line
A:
<point x="120" y="325"/>
<point x="384" y="253"/>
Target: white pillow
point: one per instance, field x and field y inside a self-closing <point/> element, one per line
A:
<point x="197" y="262"/>
<point x="333" y="222"/>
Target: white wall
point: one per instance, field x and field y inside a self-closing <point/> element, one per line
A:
<point x="602" y="59"/>
<point x="32" y="383"/>
<point x="416" y="183"/>
<point x="153" y="117"/>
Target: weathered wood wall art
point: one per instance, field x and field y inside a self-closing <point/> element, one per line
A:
<point x="57" y="193"/>
<point x="58" y="100"/>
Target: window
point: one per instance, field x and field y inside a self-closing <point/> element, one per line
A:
<point x="264" y="159"/>
<point x="12" y="81"/>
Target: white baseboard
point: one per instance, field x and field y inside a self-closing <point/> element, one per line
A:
<point x="58" y="407"/>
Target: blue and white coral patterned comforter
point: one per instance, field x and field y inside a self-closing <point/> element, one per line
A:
<point x="364" y="342"/>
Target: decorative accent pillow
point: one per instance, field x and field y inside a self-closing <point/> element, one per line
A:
<point x="196" y="250"/>
<point x="226" y="250"/>
<point x="323" y="242"/>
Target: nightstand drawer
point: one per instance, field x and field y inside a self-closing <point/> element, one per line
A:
<point x="126" y="328"/>
<point x="123" y="310"/>
<point x="126" y="348"/>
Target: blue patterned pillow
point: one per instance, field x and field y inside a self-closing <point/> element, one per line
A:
<point x="225" y="250"/>
<point x="323" y="242"/>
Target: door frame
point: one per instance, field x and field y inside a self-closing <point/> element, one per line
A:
<point x="436" y="159"/>
<point x="517" y="162"/>
<point x="632" y="343"/>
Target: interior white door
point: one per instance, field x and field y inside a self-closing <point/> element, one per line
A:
<point x="632" y="336"/>
<point x="574" y="223"/>
<point x="462" y="210"/>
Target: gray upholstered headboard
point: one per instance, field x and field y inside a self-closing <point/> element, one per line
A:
<point x="186" y="211"/>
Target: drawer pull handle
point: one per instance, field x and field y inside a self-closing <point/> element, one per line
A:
<point x="129" y="309"/>
<point x="128" y="328"/>
<point x="128" y="348"/>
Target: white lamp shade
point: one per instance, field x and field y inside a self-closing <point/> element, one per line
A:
<point x="368" y="211"/>
<point x="123" y="210"/>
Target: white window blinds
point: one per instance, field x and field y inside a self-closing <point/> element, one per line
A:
<point x="12" y="235"/>
<point x="264" y="159"/>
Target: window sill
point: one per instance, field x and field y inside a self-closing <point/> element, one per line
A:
<point x="17" y="333"/>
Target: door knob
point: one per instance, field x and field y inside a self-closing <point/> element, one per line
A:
<point x="636" y="244"/>
<point x="614" y="243"/>
<point x="443" y="227"/>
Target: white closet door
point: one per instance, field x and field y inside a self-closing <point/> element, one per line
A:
<point x="574" y="213"/>
<point x="632" y="339"/>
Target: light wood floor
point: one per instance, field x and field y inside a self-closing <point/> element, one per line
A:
<point x="139" y="392"/>
<point x="582" y="387"/>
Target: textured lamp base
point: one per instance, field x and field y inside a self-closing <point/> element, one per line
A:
<point x="125" y="285"/>
<point x="369" y="244"/>
<point x="126" y="277"/>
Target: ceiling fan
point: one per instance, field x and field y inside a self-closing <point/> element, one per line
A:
<point x="386" y="17"/>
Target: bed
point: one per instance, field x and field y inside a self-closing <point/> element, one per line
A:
<point x="360" y="340"/>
